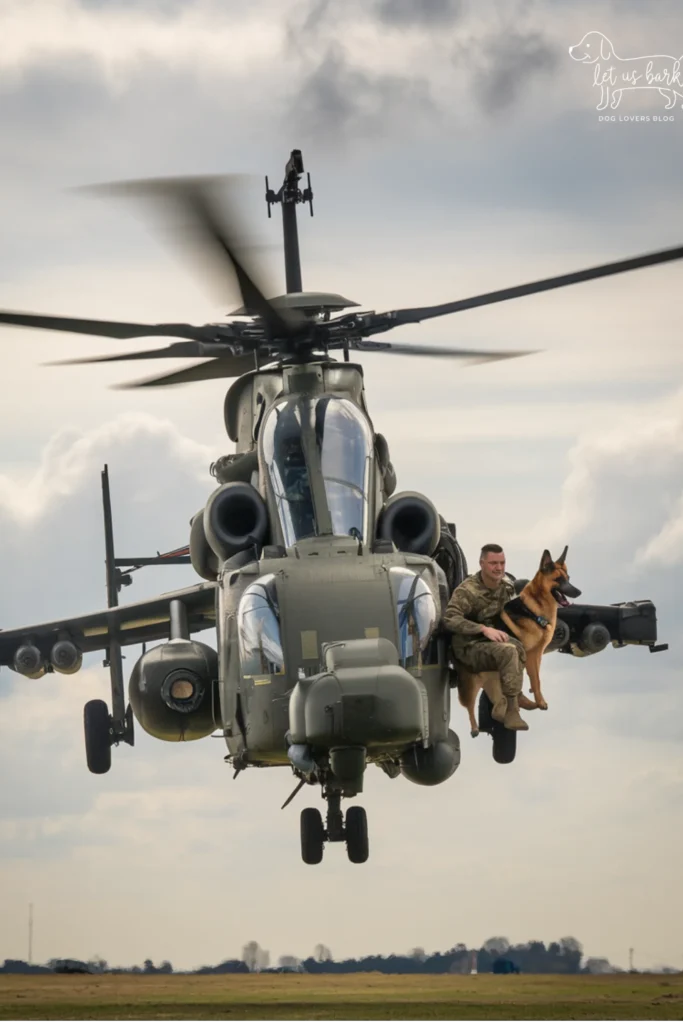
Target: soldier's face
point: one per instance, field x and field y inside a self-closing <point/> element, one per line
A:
<point x="492" y="567"/>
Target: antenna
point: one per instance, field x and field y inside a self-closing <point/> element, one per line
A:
<point x="630" y="960"/>
<point x="289" y="195"/>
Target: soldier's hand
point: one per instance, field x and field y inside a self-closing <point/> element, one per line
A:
<point x="495" y="634"/>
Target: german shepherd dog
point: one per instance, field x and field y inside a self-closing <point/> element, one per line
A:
<point x="531" y="617"/>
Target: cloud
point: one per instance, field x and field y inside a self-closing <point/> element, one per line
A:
<point x="506" y="64"/>
<point x="54" y="512"/>
<point x="122" y="37"/>
<point x="337" y="98"/>
<point x="626" y="480"/>
<point x="426" y="13"/>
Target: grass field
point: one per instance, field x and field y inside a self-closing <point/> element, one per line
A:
<point x="349" y="997"/>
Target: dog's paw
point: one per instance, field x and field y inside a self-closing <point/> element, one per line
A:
<point x="542" y="705"/>
<point x="474" y="733"/>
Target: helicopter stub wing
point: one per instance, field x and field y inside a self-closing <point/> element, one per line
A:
<point x="142" y="622"/>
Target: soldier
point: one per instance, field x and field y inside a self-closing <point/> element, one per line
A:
<point x="481" y="647"/>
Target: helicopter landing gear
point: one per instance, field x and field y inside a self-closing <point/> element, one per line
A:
<point x="102" y="732"/>
<point x="312" y="835"/>
<point x="504" y="740"/>
<point x="357" y="846"/>
<point x="354" y="832"/>
<point x="98" y="736"/>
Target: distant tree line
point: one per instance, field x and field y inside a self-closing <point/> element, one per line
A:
<point x="562" y="957"/>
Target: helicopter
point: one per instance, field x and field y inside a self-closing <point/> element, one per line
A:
<point x="325" y="585"/>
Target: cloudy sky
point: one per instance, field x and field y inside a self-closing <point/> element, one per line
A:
<point x="454" y="148"/>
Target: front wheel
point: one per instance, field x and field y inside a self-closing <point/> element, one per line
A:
<point x="504" y="744"/>
<point x="312" y="835"/>
<point x="357" y="846"/>
<point x="97" y="736"/>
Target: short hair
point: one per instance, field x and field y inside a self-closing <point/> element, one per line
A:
<point x="494" y="549"/>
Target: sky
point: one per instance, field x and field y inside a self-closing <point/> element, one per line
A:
<point x="454" y="148"/>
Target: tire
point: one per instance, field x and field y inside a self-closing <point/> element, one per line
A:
<point x="504" y="744"/>
<point x="312" y="835"/>
<point x="484" y="718"/>
<point x="357" y="846"/>
<point x="97" y="736"/>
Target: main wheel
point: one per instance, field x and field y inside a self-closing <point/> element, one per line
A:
<point x="357" y="846"/>
<point x="504" y="744"/>
<point x="312" y="835"/>
<point x="484" y="718"/>
<point x="97" y="736"/>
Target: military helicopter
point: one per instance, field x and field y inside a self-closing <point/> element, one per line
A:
<point x="325" y="585"/>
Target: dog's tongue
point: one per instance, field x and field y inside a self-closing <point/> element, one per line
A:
<point x="562" y="600"/>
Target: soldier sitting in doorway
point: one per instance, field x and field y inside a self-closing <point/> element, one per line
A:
<point x="477" y="644"/>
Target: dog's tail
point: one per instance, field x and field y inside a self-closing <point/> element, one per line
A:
<point x="465" y="688"/>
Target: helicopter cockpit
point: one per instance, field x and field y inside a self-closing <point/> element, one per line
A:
<point x="327" y="439"/>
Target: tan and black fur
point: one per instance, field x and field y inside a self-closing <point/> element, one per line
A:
<point x="541" y="596"/>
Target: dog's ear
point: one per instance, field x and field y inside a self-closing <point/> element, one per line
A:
<point x="563" y="557"/>
<point x="605" y="48"/>
<point x="547" y="564"/>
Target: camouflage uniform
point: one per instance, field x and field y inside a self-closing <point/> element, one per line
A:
<point x="471" y="606"/>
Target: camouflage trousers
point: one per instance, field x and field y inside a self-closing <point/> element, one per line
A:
<point x="507" y="659"/>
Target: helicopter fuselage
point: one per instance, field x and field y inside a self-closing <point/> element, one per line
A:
<point x="280" y="618"/>
<point x="303" y="573"/>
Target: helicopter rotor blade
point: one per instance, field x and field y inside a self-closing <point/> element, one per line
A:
<point x="102" y="328"/>
<point x="409" y="316"/>
<point x="182" y="349"/>
<point x="194" y="199"/>
<point x="211" y="369"/>
<point x="472" y="355"/>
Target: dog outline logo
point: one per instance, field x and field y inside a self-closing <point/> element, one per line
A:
<point x="618" y="75"/>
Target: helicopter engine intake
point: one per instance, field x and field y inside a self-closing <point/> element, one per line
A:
<point x="235" y="518"/>
<point x="173" y="691"/>
<point x="410" y="521"/>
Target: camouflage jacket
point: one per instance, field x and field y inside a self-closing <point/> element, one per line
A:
<point x="473" y="605"/>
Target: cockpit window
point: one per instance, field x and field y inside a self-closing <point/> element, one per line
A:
<point x="288" y="471"/>
<point x="258" y="628"/>
<point x="417" y="618"/>
<point x="327" y="436"/>
<point x="346" y="444"/>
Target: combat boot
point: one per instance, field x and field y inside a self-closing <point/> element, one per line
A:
<point x="499" y="709"/>
<point x="491" y="685"/>
<point x="513" y="719"/>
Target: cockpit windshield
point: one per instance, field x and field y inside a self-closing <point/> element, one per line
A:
<point x="326" y="439"/>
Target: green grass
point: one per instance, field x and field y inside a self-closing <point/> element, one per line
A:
<point x="341" y="997"/>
